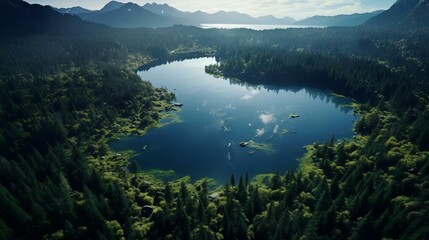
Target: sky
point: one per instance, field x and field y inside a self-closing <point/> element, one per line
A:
<point x="298" y="9"/>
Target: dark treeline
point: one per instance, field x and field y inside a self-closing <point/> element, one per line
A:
<point x="66" y="88"/>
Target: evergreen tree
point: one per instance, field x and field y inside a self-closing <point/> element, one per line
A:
<point x="232" y="180"/>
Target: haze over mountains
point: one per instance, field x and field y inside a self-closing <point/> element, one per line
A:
<point x="40" y="19"/>
<point x="339" y="20"/>
<point x="130" y="15"/>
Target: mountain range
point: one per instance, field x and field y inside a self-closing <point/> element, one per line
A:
<point x="130" y="15"/>
<point x="165" y="10"/>
<point x="73" y="10"/>
<point x="339" y="20"/>
<point x="200" y="17"/>
<point x="20" y="18"/>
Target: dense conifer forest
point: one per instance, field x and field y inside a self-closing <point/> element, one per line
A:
<point x="68" y="86"/>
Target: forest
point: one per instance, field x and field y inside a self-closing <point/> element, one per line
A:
<point x="68" y="87"/>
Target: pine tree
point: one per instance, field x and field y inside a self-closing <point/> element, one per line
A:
<point x="242" y="191"/>
<point x="134" y="168"/>
<point x="365" y="229"/>
<point x="201" y="213"/>
<point x="275" y="182"/>
<point x="232" y="181"/>
<point x="168" y="195"/>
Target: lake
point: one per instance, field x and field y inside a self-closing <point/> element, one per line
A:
<point x="219" y="114"/>
<point x="255" y="26"/>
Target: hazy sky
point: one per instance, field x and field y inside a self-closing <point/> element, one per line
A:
<point x="294" y="8"/>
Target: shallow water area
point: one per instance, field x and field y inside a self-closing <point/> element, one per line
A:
<point x="219" y="114"/>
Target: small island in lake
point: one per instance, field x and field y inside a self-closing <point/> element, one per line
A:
<point x="294" y="115"/>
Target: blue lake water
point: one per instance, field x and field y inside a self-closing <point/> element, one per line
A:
<point x="218" y="114"/>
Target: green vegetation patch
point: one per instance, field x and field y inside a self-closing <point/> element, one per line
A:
<point x="211" y="183"/>
<point x="264" y="147"/>
<point x="158" y="174"/>
<point x="306" y="163"/>
<point x="262" y="179"/>
<point x="167" y="119"/>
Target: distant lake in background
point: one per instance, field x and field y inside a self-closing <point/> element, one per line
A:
<point x="218" y="114"/>
<point x="254" y="26"/>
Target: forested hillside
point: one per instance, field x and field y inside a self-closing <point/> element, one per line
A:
<point x="68" y="86"/>
<point x="65" y="89"/>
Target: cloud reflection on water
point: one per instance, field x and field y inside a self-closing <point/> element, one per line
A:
<point x="267" y="118"/>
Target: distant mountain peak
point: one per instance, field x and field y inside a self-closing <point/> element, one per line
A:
<point x="157" y="4"/>
<point x="73" y="10"/>
<point x="114" y="3"/>
<point x="131" y="15"/>
<point x="130" y="7"/>
<point x="164" y="10"/>
<point x="110" y="6"/>
<point x="131" y="4"/>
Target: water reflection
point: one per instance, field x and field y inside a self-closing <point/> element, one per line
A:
<point x="323" y="95"/>
<point x="231" y="127"/>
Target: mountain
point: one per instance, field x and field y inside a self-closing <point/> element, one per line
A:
<point x="232" y="17"/>
<point x="221" y="17"/>
<point x="131" y="15"/>
<point x="110" y="6"/>
<point x="73" y="10"/>
<point x="403" y="12"/>
<point x="339" y="20"/>
<point x="166" y="16"/>
<point x="20" y="18"/>
<point x="270" y="19"/>
<point x="165" y="10"/>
